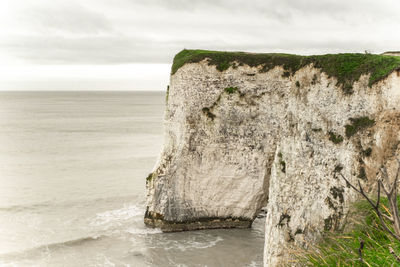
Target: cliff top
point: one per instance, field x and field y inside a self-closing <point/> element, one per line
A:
<point x="347" y="67"/>
<point x="392" y="53"/>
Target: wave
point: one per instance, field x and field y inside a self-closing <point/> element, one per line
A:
<point x="53" y="246"/>
<point x="117" y="216"/>
<point x="19" y="208"/>
<point x="201" y="242"/>
<point x="125" y="222"/>
<point x="143" y="231"/>
<point x="52" y="204"/>
<point x="72" y="242"/>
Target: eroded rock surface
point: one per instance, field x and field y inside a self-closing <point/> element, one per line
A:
<point x="238" y="139"/>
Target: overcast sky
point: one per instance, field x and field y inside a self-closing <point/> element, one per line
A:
<point x="129" y="44"/>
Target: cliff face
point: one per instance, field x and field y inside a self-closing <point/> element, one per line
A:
<point x="242" y="132"/>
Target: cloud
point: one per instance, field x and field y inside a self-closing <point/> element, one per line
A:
<point x="66" y="17"/>
<point x="86" y="50"/>
<point x="283" y="10"/>
<point x="127" y="31"/>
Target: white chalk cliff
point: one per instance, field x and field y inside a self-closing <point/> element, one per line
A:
<point x="240" y="136"/>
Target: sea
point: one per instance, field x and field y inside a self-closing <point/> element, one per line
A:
<point x="73" y="167"/>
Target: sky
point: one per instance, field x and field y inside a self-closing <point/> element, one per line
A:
<point x="130" y="44"/>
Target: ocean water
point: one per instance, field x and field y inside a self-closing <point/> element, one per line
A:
<point x="72" y="186"/>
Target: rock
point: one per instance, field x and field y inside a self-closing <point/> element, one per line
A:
<point x="242" y="136"/>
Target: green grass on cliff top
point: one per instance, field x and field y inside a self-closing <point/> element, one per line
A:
<point x="347" y="68"/>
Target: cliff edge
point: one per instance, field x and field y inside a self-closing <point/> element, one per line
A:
<point x="246" y="130"/>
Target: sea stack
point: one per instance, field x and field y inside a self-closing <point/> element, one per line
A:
<point x="245" y="130"/>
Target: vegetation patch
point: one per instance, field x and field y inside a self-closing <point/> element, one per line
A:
<point x="337" y="193"/>
<point x="314" y="79"/>
<point x="346" y="68"/>
<point x="358" y="124"/>
<point x="363" y="235"/>
<point x="299" y="231"/>
<point x="208" y="113"/>
<point x="328" y="201"/>
<point x="362" y="173"/>
<point x="231" y="90"/>
<point x="282" y="162"/>
<point x="149" y="177"/>
<point x="366" y="153"/>
<point x="316" y="130"/>
<point x="284" y="219"/>
<point x="335" y="138"/>
<point x="338" y="168"/>
<point x="328" y="223"/>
